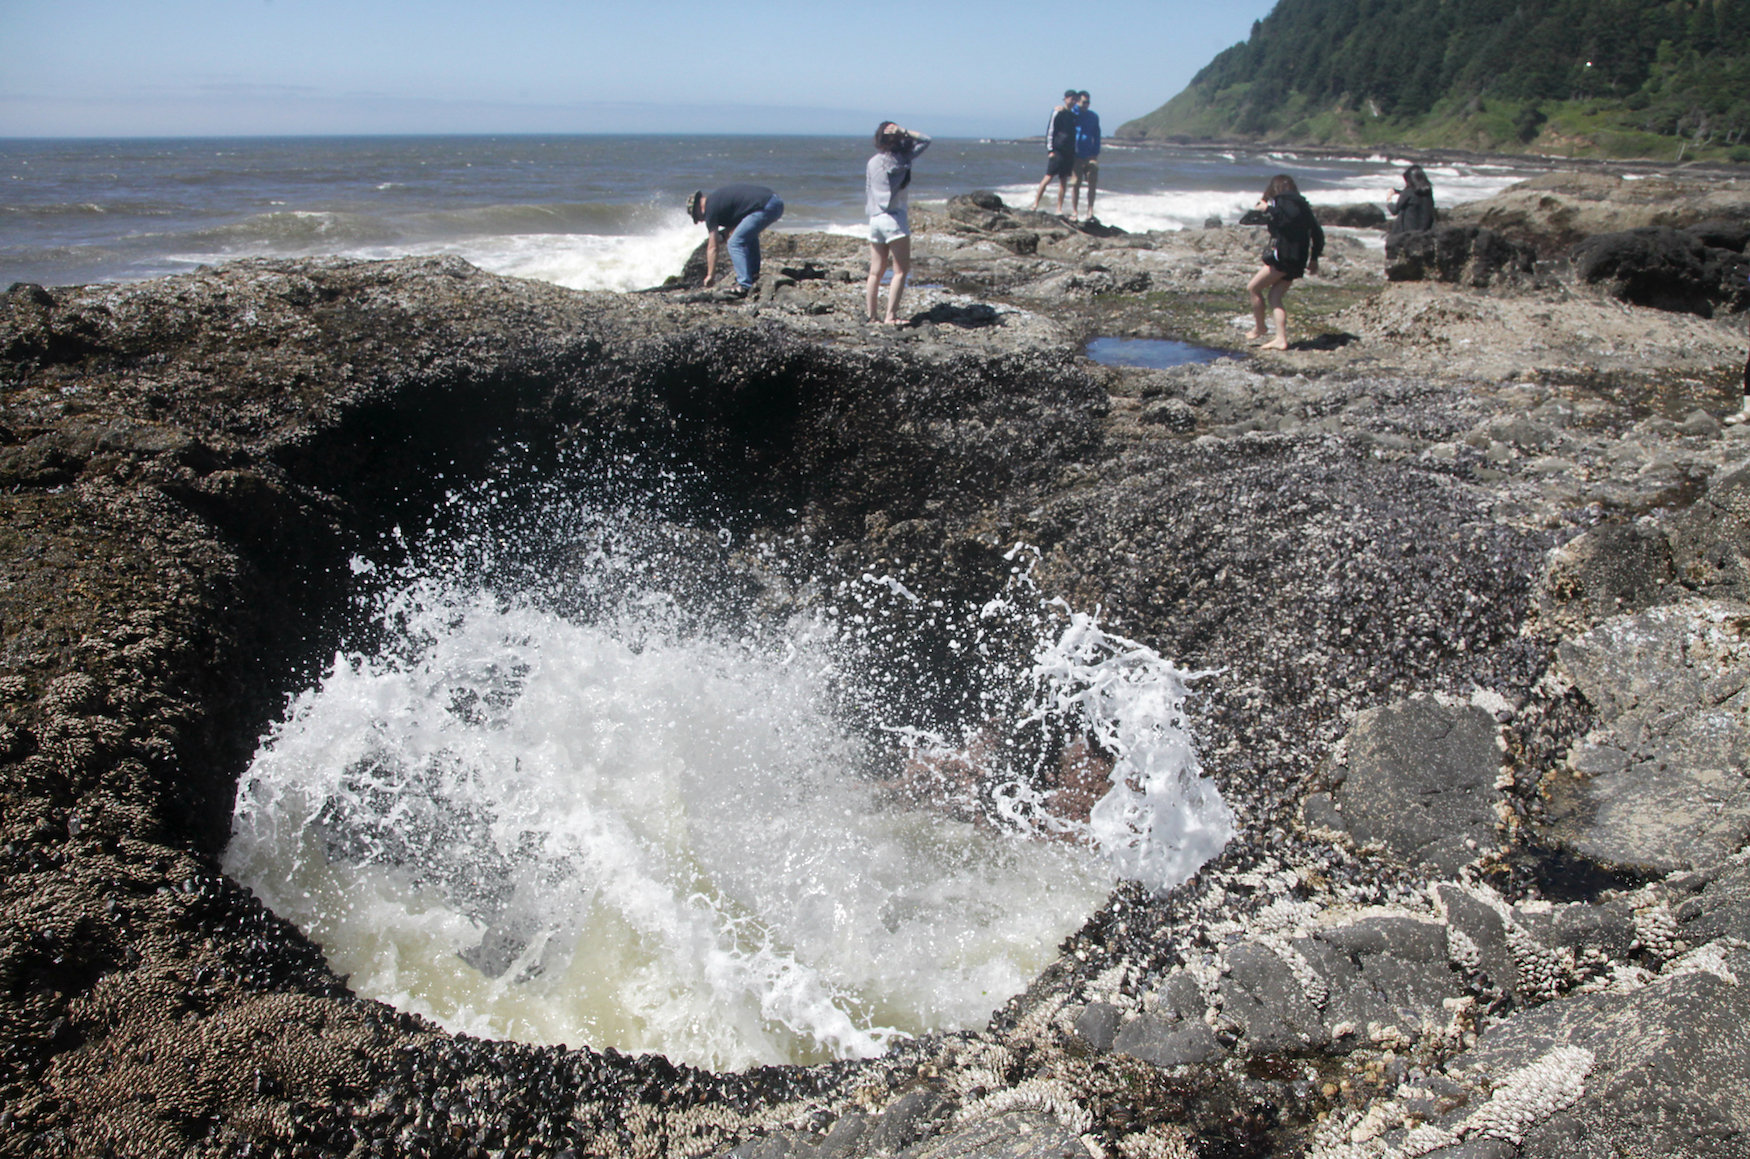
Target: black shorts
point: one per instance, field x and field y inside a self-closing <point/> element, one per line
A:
<point x="1060" y="164"/>
<point x="1291" y="271"/>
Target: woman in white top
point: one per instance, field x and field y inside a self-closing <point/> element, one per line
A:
<point x="887" y="180"/>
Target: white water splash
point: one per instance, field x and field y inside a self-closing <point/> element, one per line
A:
<point x="1161" y="819"/>
<point x="615" y="834"/>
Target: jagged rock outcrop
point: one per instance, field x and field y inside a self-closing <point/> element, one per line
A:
<point x="1554" y="211"/>
<point x="1453" y="253"/>
<point x="1666" y="269"/>
<point x="1365" y="215"/>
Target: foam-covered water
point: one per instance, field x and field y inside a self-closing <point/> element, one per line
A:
<point x="606" y="814"/>
<point x="1203" y="185"/>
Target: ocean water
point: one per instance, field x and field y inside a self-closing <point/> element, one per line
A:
<point x="596" y="212"/>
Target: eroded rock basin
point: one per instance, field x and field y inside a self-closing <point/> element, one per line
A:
<point x="191" y="463"/>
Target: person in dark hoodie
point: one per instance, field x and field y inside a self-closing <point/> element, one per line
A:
<point x="1087" y="155"/>
<point x="1296" y="241"/>
<point x="1413" y="205"/>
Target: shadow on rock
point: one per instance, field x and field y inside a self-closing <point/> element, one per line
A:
<point x="970" y="316"/>
<point x="1334" y="341"/>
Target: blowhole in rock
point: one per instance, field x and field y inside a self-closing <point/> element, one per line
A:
<point x="607" y="773"/>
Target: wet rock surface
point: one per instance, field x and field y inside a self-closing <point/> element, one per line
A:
<point x="1468" y="563"/>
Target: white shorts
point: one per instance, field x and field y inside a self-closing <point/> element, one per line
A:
<point x="888" y="227"/>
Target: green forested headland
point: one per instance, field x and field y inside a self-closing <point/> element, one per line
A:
<point x="1667" y="79"/>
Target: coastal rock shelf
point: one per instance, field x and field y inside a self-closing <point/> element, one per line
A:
<point x="1471" y="582"/>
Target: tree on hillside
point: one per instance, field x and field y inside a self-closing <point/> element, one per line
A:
<point x="1668" y="61"/>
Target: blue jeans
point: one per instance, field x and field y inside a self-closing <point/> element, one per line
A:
<point x="744" y="241"/>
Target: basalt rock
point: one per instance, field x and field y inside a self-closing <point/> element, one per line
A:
<point x="983" y="214"/>
<point x="1611" y="570"/>
<point x="1659" y="784"/>
<point x="1466" y="255"/>
<point x="1554" y="211"/>
<point x="1666" y="269"/>
<point x="1724" y="233"/>
<point x="1710" y="541"/>
<point x="1619" y="1071"/>
<point x="1365" y="215"/>
<point x="1419" y="777"/>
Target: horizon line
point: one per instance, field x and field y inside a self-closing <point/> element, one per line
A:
<point x="468" y="133"/>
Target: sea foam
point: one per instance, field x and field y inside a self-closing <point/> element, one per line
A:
<point x="596" y="820"/>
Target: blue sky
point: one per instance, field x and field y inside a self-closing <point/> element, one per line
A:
<point x="222" y="67"/>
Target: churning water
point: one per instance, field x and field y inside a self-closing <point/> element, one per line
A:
<point x="575" y="797"/>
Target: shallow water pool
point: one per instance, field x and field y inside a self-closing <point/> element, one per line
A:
<point x="1150" y="353"/>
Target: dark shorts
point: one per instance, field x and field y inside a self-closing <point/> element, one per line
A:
<point x="1060" y="164"/>
<point x="1290" y="270"/>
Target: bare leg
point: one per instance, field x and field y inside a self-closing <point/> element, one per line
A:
<point x="877" y="267"/>
<point x="1280" y="342"/>
<point x="1062" y="183"/>
<point x="1075" y="198"/>
<point x="1093" y="187"/>
<point x="1040" y="195"/>
<point x="901" y="250"/>
<point x="1266" y="277"/>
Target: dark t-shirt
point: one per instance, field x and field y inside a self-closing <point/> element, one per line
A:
<point x="724" y="208"/>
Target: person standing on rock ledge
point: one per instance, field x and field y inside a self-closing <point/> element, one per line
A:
<point x="886" y="189"/>
<point x="1060" y="143"/>
<point x="1296" y="241"/>
<point x="738" y="213"/>
<point x="1087" y="155"/>
<point x="1413" y="205"/>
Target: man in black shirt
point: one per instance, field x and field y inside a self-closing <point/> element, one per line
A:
<point x="738" y="212"/>
<point x="1060" y="140"/>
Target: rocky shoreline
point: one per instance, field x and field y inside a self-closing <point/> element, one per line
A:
<point x="1472" y="558"/>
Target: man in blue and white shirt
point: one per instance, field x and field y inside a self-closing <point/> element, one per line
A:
<point x="1087" y="166"/>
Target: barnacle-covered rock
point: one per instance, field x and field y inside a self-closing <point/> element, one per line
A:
<point x="1659" y="784"/>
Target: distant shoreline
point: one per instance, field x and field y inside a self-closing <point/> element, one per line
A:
<point x="1423" y="156"/>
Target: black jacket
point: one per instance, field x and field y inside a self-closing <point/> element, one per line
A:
<point x="1413" y="208"/>
<point x="1296" y="238"/>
